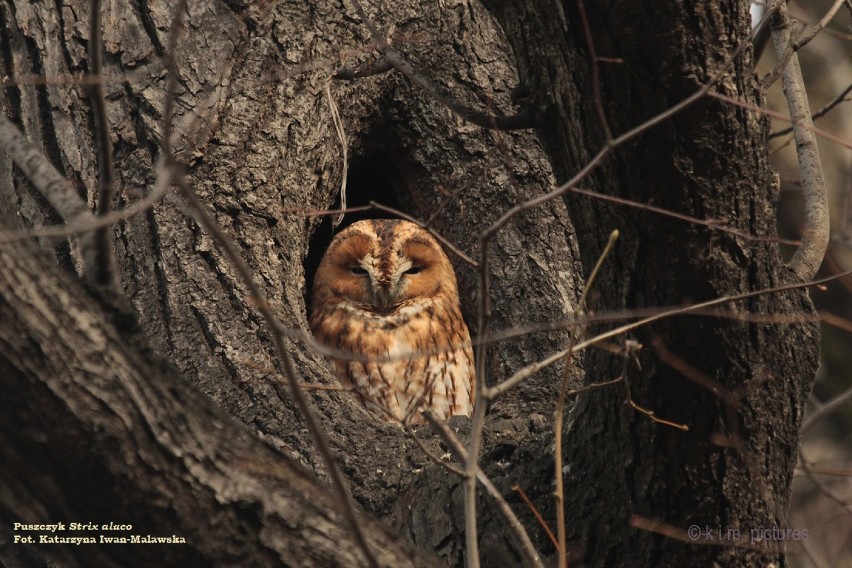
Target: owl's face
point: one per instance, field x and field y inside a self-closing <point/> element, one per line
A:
<point x="379" y="264"/>
<point x="386" y="292"/>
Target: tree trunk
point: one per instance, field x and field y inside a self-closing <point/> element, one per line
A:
<point x="708" y="161"/>
<point x="254" y="124"/>
<point x="97" y="429"/>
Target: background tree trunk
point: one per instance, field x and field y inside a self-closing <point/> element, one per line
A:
<point x="708" y="161"/>
<point x="255" y="127"/>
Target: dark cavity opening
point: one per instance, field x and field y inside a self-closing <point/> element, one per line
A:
<point x="375" y="176"/>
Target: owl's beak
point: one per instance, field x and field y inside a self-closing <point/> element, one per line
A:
<point x="384" y="293"/>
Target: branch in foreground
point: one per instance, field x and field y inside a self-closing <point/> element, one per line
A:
<point x="840" y="98"/>
<point x="54" y="187"/>
<point x="794" y="46"/>
<point x="95" y="427"/>
<point x="106" y="267"/>
<point x="528" y="371"/>
<point x="525" y="119"/>
<point x="344" y="499"/>
<point x="517" y="529"/>
<point x="808" y="257"/>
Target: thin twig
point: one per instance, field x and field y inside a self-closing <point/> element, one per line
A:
<point x="821" y="486"/>
<point x="821" y="112"/>
<point x="809" y="553"/>
<point x="584" y="388"/>
<point x="760" y="110"/>
<point x="517" y="489"/>
<point x="527" y="118"/>
<point x="703" y="536"/>
<point x="831" y="471"/>
<point x="107" y="267"/>
<point x="596" y="84"/>
<point x="523" y="374"/>
<point x="527" y="547"/>
<point x="831" y="406"/>
<point x="430" y="454"/>
<point x="162" y="184"/>
<point x="559" y="472"/>
<point x="808" y="257"/>
<point x="517" y="331"/>
<point x="338" y="482"/>
<point x="630" y="346"/>
<point x="367" y="69"/>
<point x="55" y="188"/>
<point x="654" y="418"/>
<point x="732" y="417"/>
<point x="480" y="407"/>
<point x="598" y="318"/>
<point x="451" y="198"/>
<point x="341" y="136"/>
<point x="716" y="225"/>
<point x="87" y="224"/>
<point x="701" y="379"/>
<point x="559" y="476"/>
<point x="806" y="37"/>
<point x="211" y="226"/>
<point x="611" y="145"/>
<point x="171" y="80"/>
<point x="446" y="242"/>
<point x="791" y="48"/>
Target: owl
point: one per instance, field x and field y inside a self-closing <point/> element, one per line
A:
<point x="385" y="298"/>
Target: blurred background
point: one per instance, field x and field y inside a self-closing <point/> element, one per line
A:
<point x="822" y="492"/>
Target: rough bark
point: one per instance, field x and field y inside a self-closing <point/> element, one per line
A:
<point x="97" y="429"/>
<point x="265" y="148"/>
<point x="708" y="161"/>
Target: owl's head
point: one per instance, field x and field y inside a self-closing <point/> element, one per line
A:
<point x="378" y="264"/>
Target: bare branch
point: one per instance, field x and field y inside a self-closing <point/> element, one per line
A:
<point x="517" y="489"/>
<point x="596" y="81"/>
<point x="831" y="406"/>
<point x="559" y="493"/>
<point x="527" y="118"/>
<point x="806" y="37"/>
<point x="790" y="48"/>
<point x="344" y="499"/>
<point x="821" y="485"/>
<point x="817" y="131"/>
<point x="366" y="69"/>
<point x="452" y="247"/>
<point x="715" y="224"/>
<point x="808" y="257"/>
<point x="527" y="547"/>
<point x="341" y="135"/>
<point x="841" y="98"/>
<point x="630" y="347"/>
<point x="55" y="188"/>
<point x="701" y="536"/>
<point x="338" y="482"/>
<point x="612" y="144"/>
<point x="106" y="267"/>
<point x="528" y="371"/>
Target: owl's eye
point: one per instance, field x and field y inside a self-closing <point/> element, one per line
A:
<point x="413" y="270"/>
<point x="359" y="270"/>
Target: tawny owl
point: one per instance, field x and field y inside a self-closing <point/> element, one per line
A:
<point x="386" y="293"/>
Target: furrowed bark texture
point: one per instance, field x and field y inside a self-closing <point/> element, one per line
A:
<point x="708" y="161"/>
<point x="254" y="127"/>
<point x="254" y="124"/>
<point x="95" y="428"/>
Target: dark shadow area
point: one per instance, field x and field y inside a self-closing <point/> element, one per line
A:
<point x="373" y="176"/>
